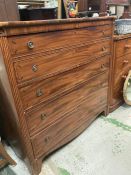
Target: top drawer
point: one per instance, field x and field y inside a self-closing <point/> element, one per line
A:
<point x="29" y="44"/>
<point x="43" y="66"/>
<point x="123" y="47"/>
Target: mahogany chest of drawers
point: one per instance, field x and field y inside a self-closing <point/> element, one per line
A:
<point x="121" y="64"/>
<point x="54" y="81"/>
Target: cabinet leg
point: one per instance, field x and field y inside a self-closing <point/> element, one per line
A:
<point x="36" y="167"/>
<point x="105" y="112"/>
<point x="6" y="158"/>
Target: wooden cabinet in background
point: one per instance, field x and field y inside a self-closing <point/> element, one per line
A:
<point x="121" y="64"/>
<point x="9" y="10"/>
<point x="82" y="5"/>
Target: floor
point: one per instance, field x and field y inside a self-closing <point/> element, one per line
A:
<point x="103" y="149"/>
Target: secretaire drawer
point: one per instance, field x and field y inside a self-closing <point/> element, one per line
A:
<point x="79" y="114"/>
<point x="122" y="64"/>
<point x="30" y="44"/>
<point x="55" y="86"/>
<point x="46" y="114"/>
<point x="43" y="66"/>
<point x="122" y="67"/>
<point x="123" y="47"/>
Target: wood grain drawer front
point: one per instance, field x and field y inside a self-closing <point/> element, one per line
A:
<point x="43" y="66"/>
<point x="123" y="47"/>
<point x="80" y="109"/>
<point x="122" y="67"/>
<point x="23" y="45"/>
<point x="48" y="113"/>
<point x="55" y="86"/>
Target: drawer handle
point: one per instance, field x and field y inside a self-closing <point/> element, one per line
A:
<point x="102" y="85"/>
<point x="127" y="46"/>
<point x="43" y="116"/>
<point x="34" y="68"/>
<point x="39" y="93"/>
<point x="124" y="76"/>
<point x="103" y="49"/>
<point x="125" y="61"/>
<point x="102" y="66"/>
<point x="103" y="33"/>
<point x="30" y="45"/>
<point x="47" y="139"/>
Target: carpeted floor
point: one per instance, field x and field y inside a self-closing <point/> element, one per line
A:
<point x="103" y="149"/>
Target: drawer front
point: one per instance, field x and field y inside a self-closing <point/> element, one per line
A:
<point x="55" y="86"/>
<point x="43" y="66"/>
<point x="122" y="67"/>
<point x="50" y="112"/>
<point x="123" y="47"/>
<point x="85" y="110"/>
<point x="30" y="44"/>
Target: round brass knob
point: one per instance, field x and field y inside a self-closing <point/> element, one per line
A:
<point x="103" y="49"/>
<point x="30" y="45"/>
<point x="39" y="93"/>
<point x="43" y="116"/>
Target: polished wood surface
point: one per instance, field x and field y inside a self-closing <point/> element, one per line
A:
<point x="48" y="65"/>
<point x="76" y="38"/>
<point x="53" y="91"/>
<point x="61" y="83"/>
<point x="84" y="111"/>
<point x="37" y="115"/>
<point x="121" y="64"/>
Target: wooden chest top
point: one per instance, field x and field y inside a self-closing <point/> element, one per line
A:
<point x="26" y="27"/>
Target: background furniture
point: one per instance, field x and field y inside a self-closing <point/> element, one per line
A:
<point x="9" y="10"/>
<point x="55" y="90"/>
<point x="38" y="14"/>
<point x="83" y="5"/>
<point x="33" y="3"/>
<point x="37" y="10"/>
<point x="125" y="3"/>
<point x="102" y="6"/>
<point x="5" y="159"/>
<point x="97" y="6"/>
<point x="121" y="64"/>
